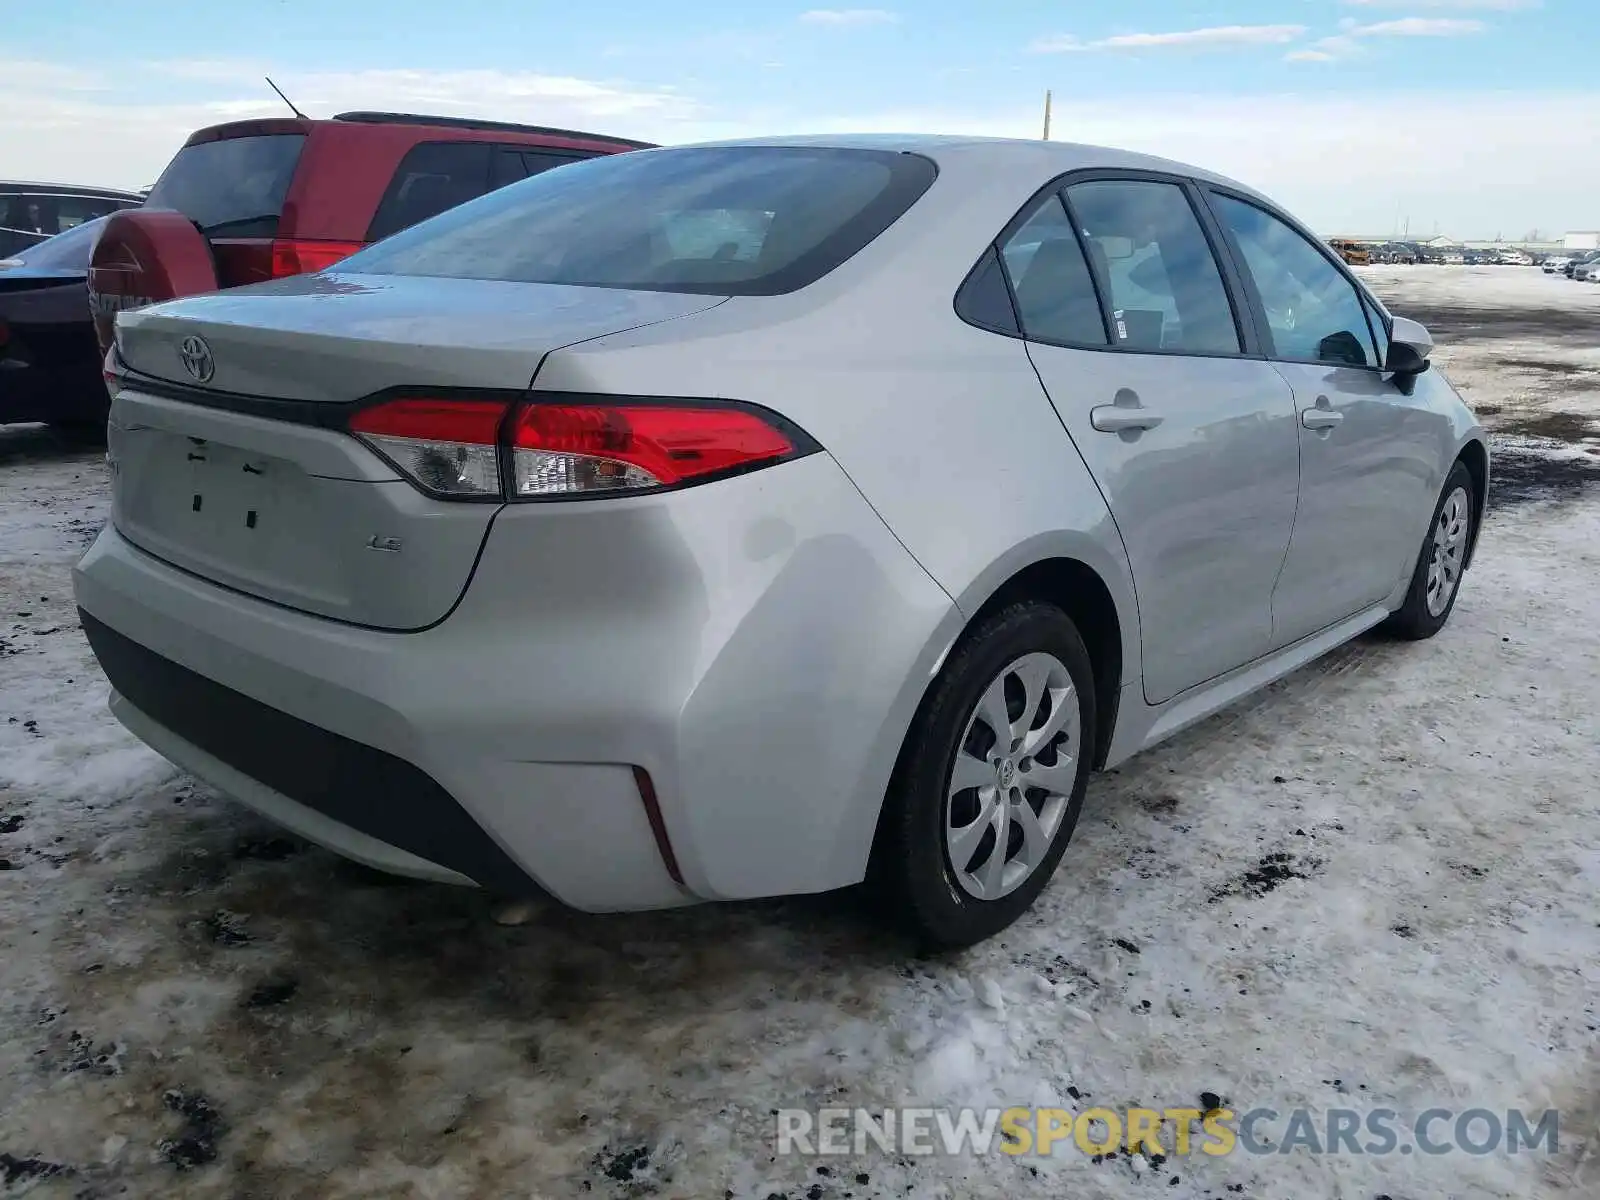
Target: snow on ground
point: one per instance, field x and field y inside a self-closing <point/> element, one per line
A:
<point x="1374" y="885"/>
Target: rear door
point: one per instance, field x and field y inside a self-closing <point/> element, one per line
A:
<point x="1189" y="436"/>
<point x="1368" y="453"/>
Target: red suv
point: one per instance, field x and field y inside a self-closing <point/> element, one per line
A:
<point x="257" y="200"/>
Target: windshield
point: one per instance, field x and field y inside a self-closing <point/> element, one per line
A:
<point x="737" y="220"/>
<point x="233" y="187"/>
<point x="67" y="251"/>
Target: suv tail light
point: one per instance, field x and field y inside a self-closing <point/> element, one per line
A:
<point x="301" y="256"/>
<point x="571" y="447"/>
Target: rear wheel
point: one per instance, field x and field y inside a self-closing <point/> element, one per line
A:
<point x="991" y="779"/>
<point x="1437" y="579"/>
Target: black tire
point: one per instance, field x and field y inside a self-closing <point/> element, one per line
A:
<point x="1413" y="621"/>
<point x="911" y="867"/>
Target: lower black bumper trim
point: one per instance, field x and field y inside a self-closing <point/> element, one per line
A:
<point x="355" y="784"/>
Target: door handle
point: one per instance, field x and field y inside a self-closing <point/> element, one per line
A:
<point x="1321" y="416"/>
<point x="1117" y="418"/>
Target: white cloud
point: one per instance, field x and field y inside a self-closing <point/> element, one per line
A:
<point x="1216" y="35"/>
<point x="1420" y="27"/>
<point x="1476" y="162"/>
<point x="64" y="131"/>
<point x="1328" y="49"/>
<point x="849" y="16"/>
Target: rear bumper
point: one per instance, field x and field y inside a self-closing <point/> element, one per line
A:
<point x="758" y="646"/>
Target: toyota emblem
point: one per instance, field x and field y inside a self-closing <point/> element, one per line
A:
<point x="196" y="356"/>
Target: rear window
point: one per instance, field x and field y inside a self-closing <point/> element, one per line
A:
<point x="233" y="187"/>
<point x="736" y="221"/>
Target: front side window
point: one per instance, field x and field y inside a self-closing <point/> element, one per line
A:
<point x="1050" y="279"/>
<point x="736" y="221"/>
<point x="1153" y="261"/>
<point x="1314" y="313"/>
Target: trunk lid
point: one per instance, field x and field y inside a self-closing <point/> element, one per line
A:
<point x="243" y="474"/>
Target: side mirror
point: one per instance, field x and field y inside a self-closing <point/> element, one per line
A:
<point x="1410" y="344"/>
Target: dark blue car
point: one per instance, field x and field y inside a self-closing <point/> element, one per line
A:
<point x="50" y="366"/>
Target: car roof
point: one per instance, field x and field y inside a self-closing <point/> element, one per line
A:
<point x="1024" y="156"/>
<point x="67" y="189"/>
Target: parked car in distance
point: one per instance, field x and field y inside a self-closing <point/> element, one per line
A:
<point x="1353" y="253"/>
<point x="50" y="366"/>
<point x="1555" y="265"/>
<point x="264" y="199"/>
<point x="1571" y="267"/>
<point x="32" y="212"/>
<point x="758" y="518"/>
<point x="1587" y="272"/>
<point x="1396" y="252"/>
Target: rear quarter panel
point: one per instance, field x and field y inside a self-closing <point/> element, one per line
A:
<point x="944" y="427"/>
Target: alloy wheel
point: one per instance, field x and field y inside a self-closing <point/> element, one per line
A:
<point x="1013" y="776"/>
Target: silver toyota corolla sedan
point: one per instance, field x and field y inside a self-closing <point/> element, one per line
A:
<point x="764" y="517"/>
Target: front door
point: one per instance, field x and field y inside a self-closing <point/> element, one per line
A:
<point x="1192" y="443"/>
<point x="1365" y="487"/>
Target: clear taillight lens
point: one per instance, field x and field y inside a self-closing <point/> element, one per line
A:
<point x="449" y="448"/>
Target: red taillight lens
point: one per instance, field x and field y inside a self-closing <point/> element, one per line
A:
<point x="561" y="449"/>
<point x="301" y="256"/>
<point x="454" y="449"/>
<point x="448" y="447"/>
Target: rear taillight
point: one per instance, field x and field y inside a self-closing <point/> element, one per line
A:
<point x="561" y="449"/>
<point x="570" y="448"/>
<point x="449" y="448"/>
<point x="300" y="256"/>
<point x="111" y="371"/>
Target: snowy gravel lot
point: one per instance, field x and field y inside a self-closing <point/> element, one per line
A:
<point x="1375" y="885"/>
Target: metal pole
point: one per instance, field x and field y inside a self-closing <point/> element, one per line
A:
<point x="1047" y="115"/>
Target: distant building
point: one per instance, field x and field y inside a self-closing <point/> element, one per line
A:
<point x="1442" y="243"/>
<point x="1583" y="239"/>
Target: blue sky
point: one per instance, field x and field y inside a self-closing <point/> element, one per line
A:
<point x="1360" y="113"/>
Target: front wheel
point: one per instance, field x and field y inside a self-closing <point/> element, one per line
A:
<point x="991" y="779"/>
<point x="1437" y="578"/>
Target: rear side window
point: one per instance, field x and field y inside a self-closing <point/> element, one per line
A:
<point x="432" y="177"/>
<point x="512" y="164"/>
<point x="72" y="211"/>
<point x="1152" y="258"/>
<point x="233" y="187"/>
<point x="733" y="221"/>
<point x="1050" y="279"/>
